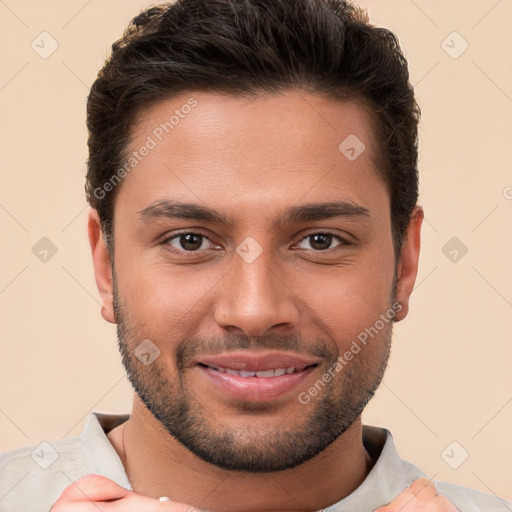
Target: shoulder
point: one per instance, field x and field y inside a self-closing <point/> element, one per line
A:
<point x="471" y="500"/>
<point x="392" y="474"/>
<point x="33" y="477"/>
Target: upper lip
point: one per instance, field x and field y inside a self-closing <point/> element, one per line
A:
<point x="257" y="362"/>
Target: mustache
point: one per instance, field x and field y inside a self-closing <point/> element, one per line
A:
<point x="191" y="347"/>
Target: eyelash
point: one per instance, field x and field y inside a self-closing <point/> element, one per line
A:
<point x="340" y="239"/>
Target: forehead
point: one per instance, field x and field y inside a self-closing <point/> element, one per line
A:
<point x="237" y="153"/>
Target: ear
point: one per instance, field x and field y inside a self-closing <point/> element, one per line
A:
<point x="408" y="264"/>
<point x="102" y="266"/>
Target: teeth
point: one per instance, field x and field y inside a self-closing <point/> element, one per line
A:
<point x="266" y="373"/>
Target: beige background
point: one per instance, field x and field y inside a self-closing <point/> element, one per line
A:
<point x="450" y="373"/>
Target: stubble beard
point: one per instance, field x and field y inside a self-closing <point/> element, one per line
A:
<point x="172" y="401"/>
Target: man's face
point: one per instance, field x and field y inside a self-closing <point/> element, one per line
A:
<point x="265" y="291"/>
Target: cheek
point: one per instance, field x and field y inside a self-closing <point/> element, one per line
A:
<point x="163" y="303"/>
<point x="350" y="300"/>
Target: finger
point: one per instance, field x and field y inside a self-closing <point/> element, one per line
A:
<point x="94" y="493"/>
<point x="132" y="502"/>
<point x="423" y="489"/>
<point x="137" y="502"/>
<point x="93" y="488"/>
<point x="399" y="504"/>
<point x="89" y="506"/>
<point x="420" y="492"/>
<point x="439" y="503"/>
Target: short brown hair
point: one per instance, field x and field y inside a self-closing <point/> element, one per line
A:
<point x="244" y="47"/>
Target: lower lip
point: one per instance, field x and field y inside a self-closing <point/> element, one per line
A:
<point x="255" y="389"/>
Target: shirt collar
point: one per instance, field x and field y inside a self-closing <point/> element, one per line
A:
<point x="389" y="476"/>
<point x="99" y="452"/>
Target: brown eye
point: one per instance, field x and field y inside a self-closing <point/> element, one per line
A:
<point x="322" y="241"/>
<point x="188" y="242"/>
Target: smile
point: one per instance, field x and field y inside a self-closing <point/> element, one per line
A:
<point x="277" y="372"/>
<point x="255" y="377"/>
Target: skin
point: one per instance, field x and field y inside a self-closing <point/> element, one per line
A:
<point x="420" y="496"/>
<point x="251" y="160"/>
<point x="95" y="492"/>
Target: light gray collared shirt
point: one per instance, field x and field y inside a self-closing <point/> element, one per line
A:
<point x="32" y="478"/>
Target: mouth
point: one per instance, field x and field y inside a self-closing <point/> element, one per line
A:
<point x="256" y="377"/>
<point x="271" y="372"/>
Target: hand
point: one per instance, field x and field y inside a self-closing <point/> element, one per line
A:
<point x="421" y="496"/>
<point x="94" y="493"/>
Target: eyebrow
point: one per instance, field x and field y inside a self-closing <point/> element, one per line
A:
<point x="166" y="209"/>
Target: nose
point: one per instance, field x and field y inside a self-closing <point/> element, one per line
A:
<point x="256" y="299"/>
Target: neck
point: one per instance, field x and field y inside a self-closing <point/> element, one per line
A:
<point x="158" y="465"/>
